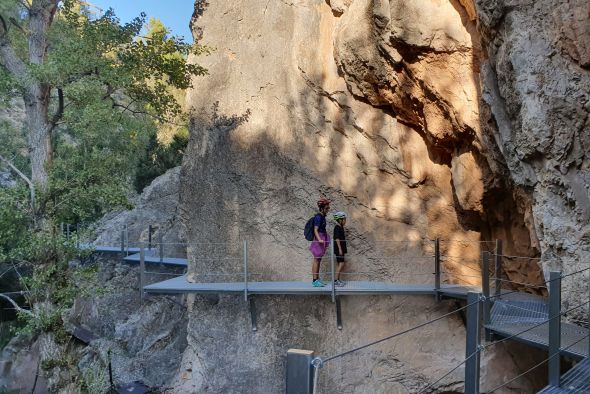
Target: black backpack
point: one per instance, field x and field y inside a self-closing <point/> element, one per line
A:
<point x="308" y="230"/>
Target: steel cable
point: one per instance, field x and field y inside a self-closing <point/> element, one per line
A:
<point x="536" y="366"/>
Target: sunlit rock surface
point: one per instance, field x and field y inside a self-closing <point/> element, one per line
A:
<point x="375" y="104"/>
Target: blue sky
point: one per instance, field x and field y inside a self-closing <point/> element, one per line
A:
<point x="175" y="14"/>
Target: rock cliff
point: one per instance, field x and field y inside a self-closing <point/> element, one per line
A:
<point x="536" y="105"/>
<point x="454" y="119"/>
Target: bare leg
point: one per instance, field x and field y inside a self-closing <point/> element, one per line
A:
<point x="339" y="269"/>
<point x="315" y="269"/>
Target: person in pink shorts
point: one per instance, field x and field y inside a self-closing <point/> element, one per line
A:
<point x="321" y="240"/>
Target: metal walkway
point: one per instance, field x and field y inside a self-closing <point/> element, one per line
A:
<point x="107" y="249"/>
<point x="507" y="315"/>
<point x="153" y="258"/>
<point x="576" y="380"/>
<point x="520" y="312"/>
<point x="181" y="285"/>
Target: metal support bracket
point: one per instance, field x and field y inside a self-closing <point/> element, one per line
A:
<point x="252" y="308"/>
<point x="338" y="313"/>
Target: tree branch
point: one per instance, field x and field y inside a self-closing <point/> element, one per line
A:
<point x="60" y="108"/>
<point x="138" y="112"/>
<point x="16" y="306"/>
<point x="25" y="178"/>
<point x="25" y="4"/>
<point x="8" y="56"/>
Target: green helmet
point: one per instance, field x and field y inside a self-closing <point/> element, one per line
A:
<point x="339" y="215"/>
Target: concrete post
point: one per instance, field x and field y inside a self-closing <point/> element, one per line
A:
<point x="554" y="328"/>
<point x="299" y="371"/>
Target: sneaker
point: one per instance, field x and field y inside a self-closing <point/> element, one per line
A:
<point x="317" y="283"/>
<point x="338" y="283"/>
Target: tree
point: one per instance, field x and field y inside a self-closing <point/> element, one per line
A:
<point x="57" y="56"/>
<point x="35" y="93"/>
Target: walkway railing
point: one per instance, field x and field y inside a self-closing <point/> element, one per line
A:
<point x="525" y="319"/>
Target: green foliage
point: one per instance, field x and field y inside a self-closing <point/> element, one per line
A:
<point x="130" y="72"/>
<point x="118" y="89"/>
<point x="159" y="158"/>
<point x="14" y="219"/>
<point x="95" y="379"/>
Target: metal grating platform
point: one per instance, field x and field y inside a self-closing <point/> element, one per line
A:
<point x="576" y="380"/>
<point x="181" y="285"/>
<point x="106" y="249"/>
<point x="518" y="312"/>
<point x="150" y="258"/>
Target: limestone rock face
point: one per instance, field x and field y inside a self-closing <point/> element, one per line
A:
<point x="376" y="105"/>
<point x="536" y="103"/>
<point x="156" y="206"/>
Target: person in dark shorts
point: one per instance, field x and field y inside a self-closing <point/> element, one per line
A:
<point x="320" y="242"/>
<point x="340" y="248"/>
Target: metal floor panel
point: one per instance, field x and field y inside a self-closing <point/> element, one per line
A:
<point x="181" y="285"/>
<point x="106" y="249"/>
<point x="154" y="259"/>
<point x="576" y="380"/>
<point x="516" y="313"/>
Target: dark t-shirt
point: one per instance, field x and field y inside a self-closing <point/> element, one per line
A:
<point x="339" y="234"/>
<point x="319" y="221"/>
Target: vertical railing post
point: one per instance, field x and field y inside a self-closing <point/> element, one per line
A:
<point x="498" y="269"/>
<point x="437" y="269"/>
<point x="485" y="286"/>
<point x="126" y="240"/>
<point x="161" y="246"/>
<point x="554" y="327"/>
<point x="332" y="268"/>
<point x="472" y="354"/>
<point x="77" y="235"/>
<point x="61" y="226"/>
<point x="122" y="244"/>
<point x="246" y="270"/>
<point x="68" y="231"/>
<point x="299" y="371"/>
<point x="150" y="229"/>
<point x="141" y="272"/>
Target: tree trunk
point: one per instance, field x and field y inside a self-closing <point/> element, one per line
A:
<point x="39" y="127"/>
<point x="36" y="94"/>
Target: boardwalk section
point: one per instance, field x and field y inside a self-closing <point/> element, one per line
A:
<point x="107" y="249"/>
<point x="182" y="285"/>
<point x="523" y="318"/>
<point x="152" y="258"/>
<point x="576" y="380"/>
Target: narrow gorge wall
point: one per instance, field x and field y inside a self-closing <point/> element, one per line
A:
<point x="398" y="113"/>
<point x="536" y="106"/>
